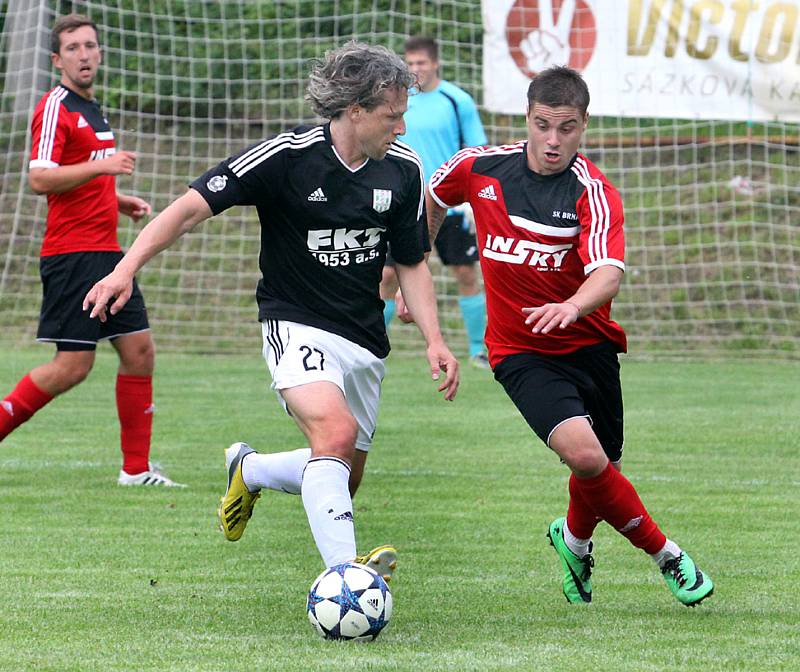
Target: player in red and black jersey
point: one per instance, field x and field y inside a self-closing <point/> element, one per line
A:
<point x="550" y="234"/>
<point x="74" y="161"/>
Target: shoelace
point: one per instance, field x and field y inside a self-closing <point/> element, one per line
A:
<point x="673" y="567"/>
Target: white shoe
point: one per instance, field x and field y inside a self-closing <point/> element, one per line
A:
<point x="152" y="476"/>
<point x="480" y="361"/>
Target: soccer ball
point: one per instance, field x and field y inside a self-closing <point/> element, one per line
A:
<point x="349" y="601"/>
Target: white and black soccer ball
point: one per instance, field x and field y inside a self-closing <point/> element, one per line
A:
<point x="349" y="601"/>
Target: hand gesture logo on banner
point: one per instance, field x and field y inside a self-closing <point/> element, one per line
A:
<point x="544" y="33"/>
<point x="548" y="44"/>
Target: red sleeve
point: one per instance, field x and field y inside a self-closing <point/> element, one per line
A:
<point x="449" y="185"/>
<point x="599" y="209"/>
<point x="50" y="128"/>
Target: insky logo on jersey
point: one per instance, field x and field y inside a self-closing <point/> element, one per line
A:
<point x="512" y="251"/>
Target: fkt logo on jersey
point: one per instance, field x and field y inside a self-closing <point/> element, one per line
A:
<point x="544" y="33"/>
<point x="340" y="247"/>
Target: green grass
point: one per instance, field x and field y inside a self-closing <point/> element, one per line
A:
<point x="95" y="577"/>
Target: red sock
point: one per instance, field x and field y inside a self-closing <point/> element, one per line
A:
<point x="135" y="410"/>
<point x="614" y="499"/>
<point x="581" y="518"/>
<point x="25" y="399"/>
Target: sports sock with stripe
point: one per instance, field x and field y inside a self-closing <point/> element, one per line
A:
<point x="581" y="518"/>
<point x="326" y="498"/>
<point x="276" y="471"/>
<point x="135" y="410"/>
<point x="20" y="404"/>
<point x="614" y="499"/>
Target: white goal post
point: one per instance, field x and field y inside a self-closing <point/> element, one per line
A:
<point x="712" y="207"/>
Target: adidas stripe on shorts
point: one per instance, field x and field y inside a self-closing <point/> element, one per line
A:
<point x="298" y="354"/>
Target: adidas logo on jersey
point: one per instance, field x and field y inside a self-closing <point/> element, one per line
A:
<point x="82" y="123"/>
<point x="488" y="192"/>
<point x="318" y="195"/>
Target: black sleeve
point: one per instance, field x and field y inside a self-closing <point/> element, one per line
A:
<point x="408" y="234"/>
<point x="240" y="180"/>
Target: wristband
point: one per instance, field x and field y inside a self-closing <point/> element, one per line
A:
<point x="574" y="305"/>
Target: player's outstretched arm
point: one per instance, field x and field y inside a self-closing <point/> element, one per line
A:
<point x="416" y="285"/>
<point x="113" y="291"/>
<point x="598" y="289"/>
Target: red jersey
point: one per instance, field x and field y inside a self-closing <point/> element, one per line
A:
<point x="539" y="236"/>
<point x="68" y="129"/>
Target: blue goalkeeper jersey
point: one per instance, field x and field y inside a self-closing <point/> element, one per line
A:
<point x="441" y="122"/>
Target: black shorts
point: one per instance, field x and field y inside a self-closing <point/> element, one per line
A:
<point x="455" y="243"/>
<point x="65" y="280"/>
<point x="548" y="390"/>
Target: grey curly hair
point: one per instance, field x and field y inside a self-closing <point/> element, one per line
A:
<point x="355" y="74"/>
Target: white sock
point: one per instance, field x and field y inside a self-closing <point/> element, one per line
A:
<point x="275" y="471"/>
<point x="579" y="547"/>
<point x="326" y="498"/>
<point x="668" y="551"/>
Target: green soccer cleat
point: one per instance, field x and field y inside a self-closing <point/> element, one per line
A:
<point x="688" y="584"/>
<point x="382" y="559"/>
<point x="577" y="580"/>
<point x="236" y="506"/>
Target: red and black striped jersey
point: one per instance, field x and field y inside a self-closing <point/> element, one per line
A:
<point x="539" y="236"/>
<point x="68" y="129"/>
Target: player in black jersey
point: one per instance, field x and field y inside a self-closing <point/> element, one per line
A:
<point x="329" y="198"/>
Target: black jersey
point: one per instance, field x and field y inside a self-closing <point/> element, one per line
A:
<point x="324" y="228"/>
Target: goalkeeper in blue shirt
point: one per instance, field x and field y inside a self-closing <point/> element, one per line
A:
<point x="441" y="120"/>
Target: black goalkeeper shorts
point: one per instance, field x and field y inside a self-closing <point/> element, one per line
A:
<point x="455" y="244"/>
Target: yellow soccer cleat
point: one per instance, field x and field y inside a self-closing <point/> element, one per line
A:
<point x="236" y="507"/>
<point x="382" y="559"/>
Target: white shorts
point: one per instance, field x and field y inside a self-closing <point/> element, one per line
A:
<point x="297" y="354"/>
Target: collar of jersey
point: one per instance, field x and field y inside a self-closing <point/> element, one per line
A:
<point x="538" y="176"/>
<point x="329" y="139"/>
<point x="75" y="93"/>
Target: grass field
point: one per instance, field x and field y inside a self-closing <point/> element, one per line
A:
<point x="95" y="577"/>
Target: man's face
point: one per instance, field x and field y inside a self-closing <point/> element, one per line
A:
<point x="78" y="57"/>
<point x="424" y="67"/>
<point x="378" y="129"/>
<point x="554" y="134"/>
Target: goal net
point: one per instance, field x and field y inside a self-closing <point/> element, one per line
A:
<point x="712" y="207"/>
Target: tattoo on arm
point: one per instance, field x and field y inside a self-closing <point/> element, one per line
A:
<point x="435" y="218"/>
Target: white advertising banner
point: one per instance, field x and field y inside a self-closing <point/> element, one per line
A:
<point x="698" y="59"/>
